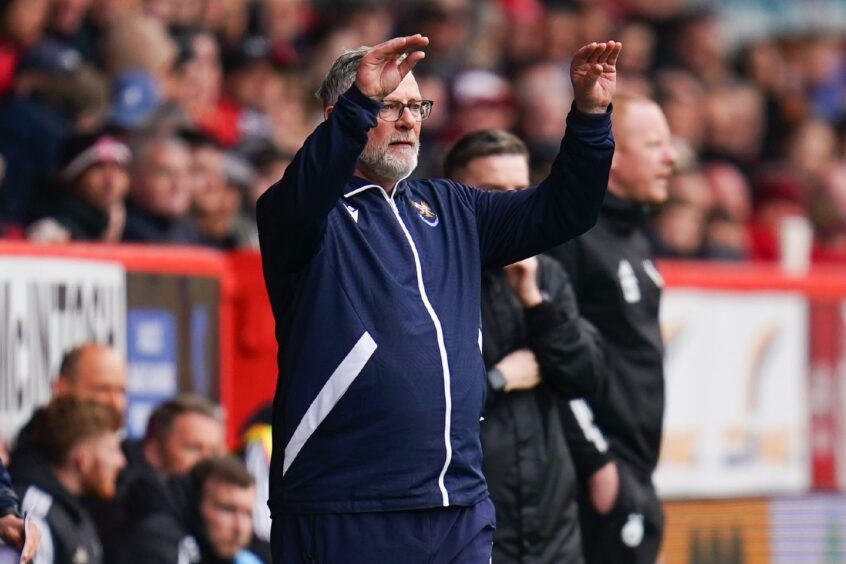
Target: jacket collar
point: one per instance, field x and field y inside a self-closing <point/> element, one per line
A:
<point x="622" y="213"/>
<point x="357" y="184"/>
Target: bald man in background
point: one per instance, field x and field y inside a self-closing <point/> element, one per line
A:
<point x="89" y="371"/>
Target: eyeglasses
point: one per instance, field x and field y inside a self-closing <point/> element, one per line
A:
<point x="392" y="111"/>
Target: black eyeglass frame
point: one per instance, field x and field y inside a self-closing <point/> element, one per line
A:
<point x="425" y="110"/>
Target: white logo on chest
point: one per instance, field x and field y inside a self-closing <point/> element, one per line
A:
<point x="353" y="212"/>
<point x="628" y="282"/>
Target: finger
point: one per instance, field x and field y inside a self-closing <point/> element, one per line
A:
<point x="603" y="57"/>
<point x="399" y="45"/>
<point x="597" y="53"/>
<point x="615" y="52"/>
<point x="583" y="54"/>
<point x="408" y="62"/>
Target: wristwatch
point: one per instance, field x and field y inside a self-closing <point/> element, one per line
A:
<point x="496" y="379"/>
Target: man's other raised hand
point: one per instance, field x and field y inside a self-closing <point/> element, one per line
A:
<point x="593" y="72"/>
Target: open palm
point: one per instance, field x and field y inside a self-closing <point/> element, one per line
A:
<point x="593" y="72"/>
<point x="384" y="66"/>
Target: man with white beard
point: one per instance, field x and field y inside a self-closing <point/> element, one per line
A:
<point x="374" y="281"/>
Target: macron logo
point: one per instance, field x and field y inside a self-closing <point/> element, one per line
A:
<point x="353" y="212"/>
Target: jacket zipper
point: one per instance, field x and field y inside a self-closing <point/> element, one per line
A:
<point x="441" y="346"/>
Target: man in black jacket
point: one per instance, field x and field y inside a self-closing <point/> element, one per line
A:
<point x="538" y="352"/>
<point x="618" y="290"/>
<point x="81" y="448"/>
<point x="209" y="519"/>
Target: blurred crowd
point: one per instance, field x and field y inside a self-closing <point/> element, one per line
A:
<point x="174" y="495"/>
<point x="162" y="121"/>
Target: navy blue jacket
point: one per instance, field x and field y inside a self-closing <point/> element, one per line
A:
<point x="377" y="305"/>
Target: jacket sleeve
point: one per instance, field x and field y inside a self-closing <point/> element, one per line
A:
<point x="588" y="446"/>
<point x="8" y="499"/>
<point x="292" y="214"/>
<point x="567" y="347"/>
<point x="519" y="224"/>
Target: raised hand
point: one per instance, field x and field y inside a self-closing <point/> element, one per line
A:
<point x="593" y="72"/>
<point x="384" y="66"/>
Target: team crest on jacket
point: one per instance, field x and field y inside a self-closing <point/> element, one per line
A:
<point x="425" y="211"/>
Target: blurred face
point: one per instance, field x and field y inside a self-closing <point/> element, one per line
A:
<point x="202" y="74"/>
<point x="100" y="375"/>
<point x="67" y="15"/>
<point x="496" y="172"/>
<point x="99" y="461"/>
<point x="644" y="157"/>
<point x="192" y="438"/>
<point x="161" y="182"/>
<point x="103" y="185"/>
<point x="227" y="512"/>
<point x="25" y="20"/>
<point x="392" y="147"/>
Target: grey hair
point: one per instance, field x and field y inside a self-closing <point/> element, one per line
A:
<point x="341" y="76"/>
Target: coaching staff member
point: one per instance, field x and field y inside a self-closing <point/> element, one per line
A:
<point x="618" y="289"/>
<point x="374" y="282"/>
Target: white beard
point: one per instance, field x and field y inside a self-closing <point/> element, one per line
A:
<point x="385" y="164"/>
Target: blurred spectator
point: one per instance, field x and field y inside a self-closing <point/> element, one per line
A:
<point x="811" y="147"/>
<point x="698" y="47"/>
<point x="828" y="214"/>
<point x="198" y="85"/>
<point x="544" y="95"/>
<point x="94" y="181"/>
<point x="254" y="87"/>
<point x="682" y="99"/>
<point x="138" y="43"/>
<point x="446" y="24"/>
<point x="481" y="100"/>
<point x="211" y="521"/>
<point x="735" y="124"/>
<point x="679" y="228"/>
<point x="219" y="182"/>
<point x="228" y="20"/>
<point x="726" y="234"/>
<point x="67" y="25"/>
<point x="78" y="440"/>
<point x="181" y="432"/>
<point x="777" y="193"/>
<point x="21" y="24"/>
<point x="89" y="371"/>
<point x="135" y="99"/>
<point x="160" y="192"/>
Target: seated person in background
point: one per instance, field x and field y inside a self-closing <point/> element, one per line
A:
<point x="92" y="185"/>
<point x="160" y="192"/>
<point x="95" y="372"/>
<point x="91" y="371"/>
<point x="181" y="432"/>
<point x="211" y="521"/>
<point x="79" y="441"/>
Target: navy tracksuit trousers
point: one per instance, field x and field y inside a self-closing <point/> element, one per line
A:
<point x="443" y="535"/>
